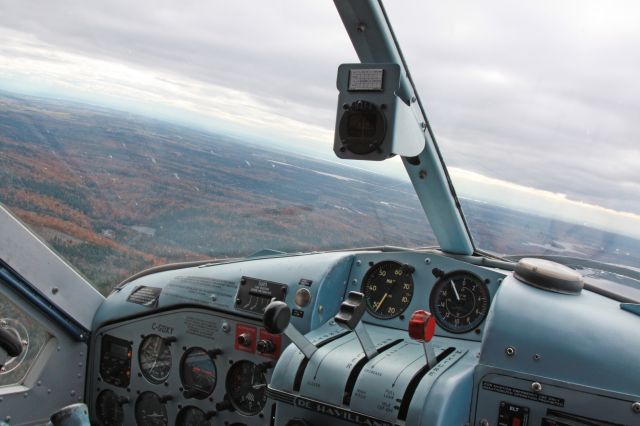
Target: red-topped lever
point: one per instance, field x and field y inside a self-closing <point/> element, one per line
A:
<point x="422" y="327"/>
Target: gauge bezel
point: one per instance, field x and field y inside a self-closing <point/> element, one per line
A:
<point x="154" y="395"/>
<point x="364" y="284"/>
<point x="118" y="407"/>
<point x="232" y="398"/>
<point x="185" y="355"/>
<point x="183" y="412"/>
<point x="435" y="291"/>
<point x="145" y="374"/>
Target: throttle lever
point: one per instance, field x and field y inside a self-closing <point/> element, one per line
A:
<point x="277" y="320"/>
<point x="349" y="316"/>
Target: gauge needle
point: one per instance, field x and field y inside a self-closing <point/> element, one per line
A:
<point x="455" y="290"/>
<point x="381" y="301"/>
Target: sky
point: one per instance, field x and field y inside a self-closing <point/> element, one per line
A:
<point x="534" y="105"/>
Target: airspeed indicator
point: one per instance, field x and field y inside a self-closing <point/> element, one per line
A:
<point x="388" y="289"/>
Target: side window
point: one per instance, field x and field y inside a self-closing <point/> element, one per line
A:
<point x="32" y="335"/>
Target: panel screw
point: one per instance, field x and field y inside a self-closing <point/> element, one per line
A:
<point x="358" y="262"/>
<point x="413" y="99"/>
<point x="537" y="357"/>
<point x="510" y="351"/>
<point x="226" y="327"/>
<point x="636" y="407"/>
<point x="536" y="387"/>
<point x="354" y="281"/>
<point x="422" y="174"/>
<point x="427" y="260"/>
<point x="361" y="27"/>
<point x="214" y="297"/>
<point x="320" y="309"/>
<point x="54" y="290"/>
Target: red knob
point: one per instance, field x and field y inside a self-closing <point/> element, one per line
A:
<point x="422" y="326"/>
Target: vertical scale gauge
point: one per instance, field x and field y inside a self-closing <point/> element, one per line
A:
<point x="388" y="289"/>
<point x="460" y="301"/>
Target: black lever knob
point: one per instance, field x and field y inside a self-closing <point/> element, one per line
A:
<point x="351" y="310"/>
<point x="214" y="352"/>
<point x="276" y="317"/>
<point x="166" y="398"/>
<point x="224" y="405"/>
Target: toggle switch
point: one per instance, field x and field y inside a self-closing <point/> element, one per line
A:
<point x="349" y="316"/>
<point x="422" y="327"/>
<point x="277" y="320"/>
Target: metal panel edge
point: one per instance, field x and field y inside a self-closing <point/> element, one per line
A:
<point x="47" y="272"/>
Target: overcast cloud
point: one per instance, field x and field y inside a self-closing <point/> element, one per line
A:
<point x="543" y="94"/>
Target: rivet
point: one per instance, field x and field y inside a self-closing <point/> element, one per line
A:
<point x="354" y="281"/>
<point x="214" y="297"/>
<point x="361" y="28"/>
<point x="320" y="309"/>
<point x="226" y="327"/>
<point x="422" y="174"/>
<point x="537" y="357"/>
<point x="427" y="260"/>
<point x="72" y="393"/>
<point x="358" y="262"/>
<point x="55" y="290"/>
<point x="636" y="407"/>
<point x="536" y="386"/>
<point x="510" y="351"/>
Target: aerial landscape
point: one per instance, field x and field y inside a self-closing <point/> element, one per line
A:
<point x="116" y="193"/>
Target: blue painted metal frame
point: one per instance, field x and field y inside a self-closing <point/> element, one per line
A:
<point x="20" y="286"/>
<point x="374" y="41"/>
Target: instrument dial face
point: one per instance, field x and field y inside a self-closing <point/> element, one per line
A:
<point x="108" y="409"/>
<point x="388" y="289"/>
<point x="150" y="411"/>
<point x="155" y="358"/>
<point x="247" y="387"/>
<point x="198" y="373"/>
<point x="192" y="416"/>
<point x="460" y="302"/>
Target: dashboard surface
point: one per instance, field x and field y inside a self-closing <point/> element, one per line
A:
<point x="189" y="346"/>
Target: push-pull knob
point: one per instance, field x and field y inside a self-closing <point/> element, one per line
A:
<point x="422" y="327"/>
<point x="349" y="316"/>
<point x="277" y="320"/>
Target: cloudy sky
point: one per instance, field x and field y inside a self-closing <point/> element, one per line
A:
<point x="535" y="105"/>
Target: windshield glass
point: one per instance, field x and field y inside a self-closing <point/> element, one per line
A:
<point x="534" y="107"/>
<point x="131" y="138"/>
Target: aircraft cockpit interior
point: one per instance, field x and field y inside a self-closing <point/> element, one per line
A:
<point x="108" y="319"/>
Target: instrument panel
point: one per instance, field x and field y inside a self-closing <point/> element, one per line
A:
<point x="182" y="367"/>
<point x="396" y="284"/>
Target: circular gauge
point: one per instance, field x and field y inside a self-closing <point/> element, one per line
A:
<point x="192" y="416"/>
<point x="108" y="409"/>
<point x="198" y="373"/>
<point x="150" y="411"/>
<point x="247" y="387"/>
<point x="388" y="289"/>
<point x="460" y="301"/>
<point x="155" y="358"/>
